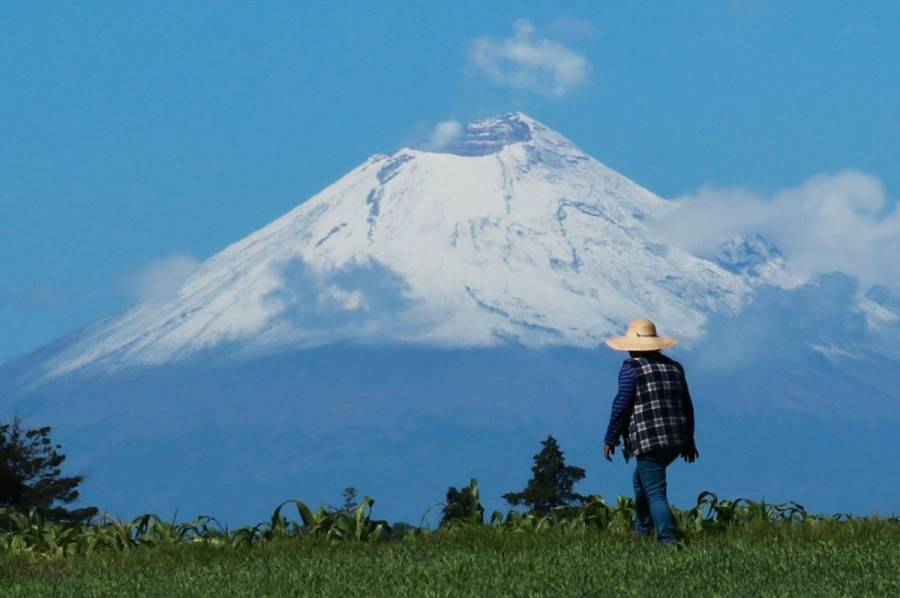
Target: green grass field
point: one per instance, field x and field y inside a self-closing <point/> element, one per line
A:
<point x="861" y="559"/>
<point x="730" y="548"/>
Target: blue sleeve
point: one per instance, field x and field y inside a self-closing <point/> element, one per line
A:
<point x="622" y="405"/>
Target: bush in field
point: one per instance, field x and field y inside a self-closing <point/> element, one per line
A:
<point x="30" y="474"/>
<point x="463" y="505"/>
<point x="552" y="481"/>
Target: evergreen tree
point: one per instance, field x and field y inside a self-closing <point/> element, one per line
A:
<point x="463" y="505"/>
<point x="350" y="502"/>
<point x="30" y="474"/>
<point x="552" y="481"/>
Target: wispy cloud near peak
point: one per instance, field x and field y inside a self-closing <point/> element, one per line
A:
<point x="527" y="61"/>
<point x="162" y="279"/>
<point x="443" y="134"/>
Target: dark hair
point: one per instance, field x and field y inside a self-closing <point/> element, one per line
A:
<point x="645" y="353"/>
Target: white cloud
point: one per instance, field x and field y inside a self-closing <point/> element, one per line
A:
<point x="567" y="25"/>
<point x="529" y="62"/>
<point x="363" y="301"/>
<point x="443" y="134"/>
<point x="830" y="223"/>
<point x="162" y="279"/>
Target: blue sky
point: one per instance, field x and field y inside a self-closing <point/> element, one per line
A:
<point x="136" y="131"/>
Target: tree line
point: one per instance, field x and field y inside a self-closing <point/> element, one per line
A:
<point x="31" y="478"/>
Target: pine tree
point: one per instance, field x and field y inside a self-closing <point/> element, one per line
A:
<point x="552" y="481"/>
<point x="30" y="474"/>
<point x="350" y="502"/>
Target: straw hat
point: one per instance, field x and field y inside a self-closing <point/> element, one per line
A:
<point x="640" y="336"/>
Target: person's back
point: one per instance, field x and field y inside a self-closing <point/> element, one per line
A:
<point x="654" y="413"/>
<point x="663" y="414"/>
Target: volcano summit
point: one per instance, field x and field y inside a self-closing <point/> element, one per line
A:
<point x="512" y="234"/>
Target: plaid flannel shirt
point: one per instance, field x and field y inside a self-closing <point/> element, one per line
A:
<point x="653" y="408"/>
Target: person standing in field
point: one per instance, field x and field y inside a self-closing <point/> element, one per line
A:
<point x="654" y="414"/>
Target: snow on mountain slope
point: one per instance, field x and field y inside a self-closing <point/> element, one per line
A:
<point x="757" y="259"/>
<point x="511" y="235"/>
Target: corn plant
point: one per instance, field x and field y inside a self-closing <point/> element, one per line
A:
<point x="31" y="534"/>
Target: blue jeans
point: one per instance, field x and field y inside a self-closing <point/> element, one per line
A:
<point x="650" y="495"/>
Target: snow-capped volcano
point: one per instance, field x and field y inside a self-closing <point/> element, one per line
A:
<point x="258" y="383"/>
<point x="511" y="234"/>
